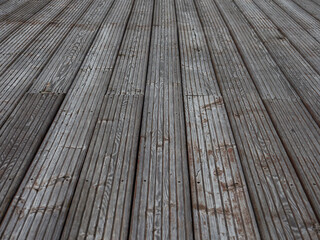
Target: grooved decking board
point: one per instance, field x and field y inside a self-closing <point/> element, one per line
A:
<point x="172" y="119"/>
<point x="281" y="207"/>
<point x="102" y="202"/>
<point x="161" y="205"/>
<point x="18" y="17"/>
<point x="304" y="79"/>
<point x="302" y="17"/>
<point x="41" y="204"/>
<point x="56" y="55"/>
<point x="18" y="77"/>
<point x="26" y="141"/>
<point x="309" y="6"/>
<point x="59" y="72"/>
<point x="220" y="199"/>
<point x="20" y="137"/>
<point x="297" y="35"/>
<point x="294" y="124"/>
<point x="18" y="41"/>
<point x="10" y="6"/>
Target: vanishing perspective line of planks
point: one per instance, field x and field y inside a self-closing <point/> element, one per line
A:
<point x="159" y="119"/>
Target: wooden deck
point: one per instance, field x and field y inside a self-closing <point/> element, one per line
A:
<point x="164" y="119"/>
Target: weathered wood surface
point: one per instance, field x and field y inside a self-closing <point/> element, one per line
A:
<point x="171" y="119"/>
<point x="293" y="123"/>
<point x="304" y="79"/>
<point x="17" y="42"/>
<point x="62" y="68"/>
<point x="274" y="187"/>
<point x="310" y="6"/>
<point x="58" y="74"/>
<point x="39" y="209"/>
<point x="7" y="7"/>
<point x="161" y="204"/>
<point x="217" y="181"/>
<point x="20" y="138"/>
<point x="106" y="183"/>
<point x="19" y="75"/>
<point x="302" y="17"/>
<point x="15" y="19"/>
<point x="298" y="36"/>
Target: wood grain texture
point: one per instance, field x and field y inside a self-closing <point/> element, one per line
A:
<point x="220" y="200"/>
<point x="19" y="75"/>
<point x="40" y="206"/>
<point x="102" y="203"/>
<point x="161" y="205"/>
<point x="23" y="142"/>
<point x="294" y="124"/>
<point x="15" y="19"/>
<point x="310" y="7"/>
<point x="281" y="206"/>
<point x="300" y="74"/>
<point x="298" y="36"/>
<point x="8" y="7"/>
<point x="20" y="138"/>
<point x="302" y="17"/>
<point x="159" y="119"/>
<point x="12" y="46"/>
<point x="59" y="72"/>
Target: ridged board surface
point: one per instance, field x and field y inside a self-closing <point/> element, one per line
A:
<point x="159" y="119"/>
<point x="39" y="209"/>
<point x="161" y="204"/>
<point x="217" y="182"/>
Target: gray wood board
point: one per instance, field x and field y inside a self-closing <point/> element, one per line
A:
<point x="281" y="206"/>
<point x="19" y="76"/>
<point x="20" y="138"/>
<point x="294" y="124"/>
<point x="309" y="6"/>
<point x="300" y="74"/>
<point x="102" y="202"/>
<point x="73" y="52"/>
<point x="40" y="206"/>
<point x="220" y="199"/>
<point x="297" y="35"/>
<point x="302" y="17"/>
<point x="15" y="19"/>
<point x="51" y="15"/>
<point x="161" y="205"/>
<point x="10" y="6"/>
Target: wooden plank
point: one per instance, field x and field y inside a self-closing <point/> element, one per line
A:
<point x="41" y="204"/>
<point x="65" y="45"/>
<point x="298" y="36"/>
<point x="10" y="6"/>
<point x="221" y="203"/>
<point x="161" y="204"/>
<point x="18" y="41"/>
<point x="101" y="205"/>
<point x="310" y="7"/>
<point x="63" y="66"/>
<point x="20" y="138"/>
<point x="294" y="124"/>
<point x="281" y="207"/>
<point x="302" y="17"/>
<point x="59" y="72"/>
<point x="303" y="78"/>
<point x="19" y="76"/>
<point x="8" y="24"/>
<point x="5" y="16"/>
